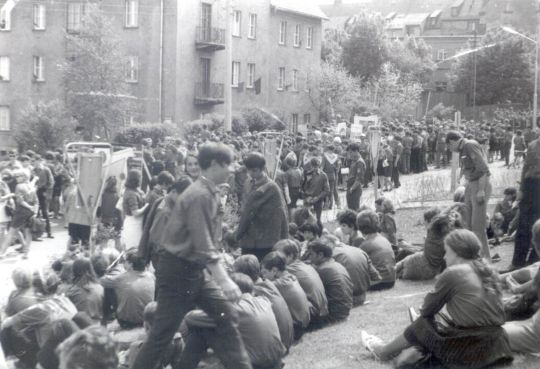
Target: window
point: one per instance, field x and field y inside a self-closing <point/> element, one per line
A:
<point x="38" y="73"/>
<point x="251" y="75"/>
<point x="4" y="68"/>
<point x="132" y="13"/>
<point x="5" y="19"/>
<point x="132" y="69"/>
<point x="252" y="32"/>
<point x="75" y="13"/>
<point x="235" y="73"/>
<point x="309" y="38"/>
<point x="307" y="118"/>
<point x="281" y="78"/>
<point x="295" y="80"/>
<point x="5" y="124"/>
<point x="39" y="16"/>
<point x="237" y="23"/>
<point x="294" y="122"/>
<point x="297" y="29"/>
<point x="441" y="54"/>
<point x="283" y="33"/>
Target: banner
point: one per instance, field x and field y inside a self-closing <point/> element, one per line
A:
<point x="372" y="120"/>
<point x="270" y="155"/>
<point x="357" y="131"/>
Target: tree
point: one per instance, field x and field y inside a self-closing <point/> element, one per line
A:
<point x="440" y="111"/>
<point x="44" y="126"/>
<point x="503" y="72"/>
<point x="97" y="94"/>
<point x="332" y="49"/>
<point x="397" y="94"/>
<point x="364" y="50"/>
<point x="336" y="92"/>
<point x="412" y="57"/>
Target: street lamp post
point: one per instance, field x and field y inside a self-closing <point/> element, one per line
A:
<point x="535" y="95"/>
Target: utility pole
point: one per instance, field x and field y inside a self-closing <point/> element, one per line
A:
<point x="228" y="67"/>
<point x="474" y="76"/>
<point x="535" y="97"/>
<point x="455" y="156"/>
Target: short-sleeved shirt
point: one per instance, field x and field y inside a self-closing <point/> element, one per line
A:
<point x="296" y="299"/>
<point x="382" y="256"/>
<point x="338" y="287"/>
<point x="133" y="200"/>
<point x="312" y="285"/>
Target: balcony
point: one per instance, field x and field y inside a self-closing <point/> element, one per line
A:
<point x="209" y="93"/>
<point x="210" y="38"/>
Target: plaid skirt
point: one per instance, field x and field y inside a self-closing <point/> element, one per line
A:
<point x="458" y="348"/>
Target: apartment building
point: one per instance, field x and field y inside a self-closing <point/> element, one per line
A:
<point x="174" y="54"/>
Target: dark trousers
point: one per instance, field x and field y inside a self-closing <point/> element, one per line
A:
<point x="506" y="153"/>
<point x="333" y="195"/>
<point x="260" y="253"/>
<point x="529" y="212"/>
<point x="405" y="162"/>
<point x="353" y="198"/>
<point x="318" y="207"/>
<point x="416" y="160"/>
<point x="79" y="233"/>
<point x="44" y="208"/>
<point x="182" y="287"/>
<point x="395" y="176"/>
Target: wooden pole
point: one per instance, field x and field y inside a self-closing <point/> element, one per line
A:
<point x="455" y="157"/>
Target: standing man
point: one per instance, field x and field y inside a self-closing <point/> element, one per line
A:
<point x="263" y="220"/>
<point x="397" y="151"/>
<point x="44" y="189"/>
<point x="316" y="188"/>
<point x="190" y="275"/>
<point x="406" y="157"/>
<point x="357" y="171"/>
<point x="331" y="169"/>
<point x="529" y="207"/>
<point x="478" y="189"/>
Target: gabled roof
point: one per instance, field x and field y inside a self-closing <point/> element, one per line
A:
<point x="402" y="20"/>
<point x="301" y="7"/>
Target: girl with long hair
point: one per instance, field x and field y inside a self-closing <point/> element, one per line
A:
<point x="468" y="333"/>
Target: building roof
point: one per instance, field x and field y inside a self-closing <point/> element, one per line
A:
<point x="402" y="20"/>
<point x="301" y="7"/>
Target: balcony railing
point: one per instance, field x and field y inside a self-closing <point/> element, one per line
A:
<point x="209" y="93"/>
<point x="210" y="38"/>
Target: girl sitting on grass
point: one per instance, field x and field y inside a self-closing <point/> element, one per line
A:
<point x="469" y="332"/>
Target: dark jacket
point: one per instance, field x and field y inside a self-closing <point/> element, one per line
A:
<point x="264" y="217"/>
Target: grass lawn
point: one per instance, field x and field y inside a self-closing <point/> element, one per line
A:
<point x="339" y="346"/>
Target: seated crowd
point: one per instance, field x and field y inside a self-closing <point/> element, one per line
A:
<point x="73" y="314"/>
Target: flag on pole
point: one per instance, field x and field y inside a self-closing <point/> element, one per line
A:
<point x="257" y="85"/>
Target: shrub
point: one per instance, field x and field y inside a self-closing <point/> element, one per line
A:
<point x="135" y="133"/>
<point x="44" y="126"/>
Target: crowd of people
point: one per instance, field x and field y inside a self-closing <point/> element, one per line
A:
<point x="217" y="250"/>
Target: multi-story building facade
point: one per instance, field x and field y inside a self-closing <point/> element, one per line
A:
<point x="175" y="56"/>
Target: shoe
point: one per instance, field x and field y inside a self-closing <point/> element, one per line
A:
<point x="50" y="236"/>
<point x="368" y="341"/>
<point x="496" y="258"/>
